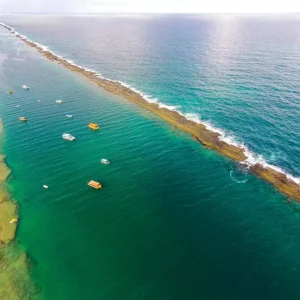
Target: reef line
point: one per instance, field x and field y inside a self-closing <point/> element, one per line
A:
<point x="15" y="281"/>
<point x="205" y="136"/>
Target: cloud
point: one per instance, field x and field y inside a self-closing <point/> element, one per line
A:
<point x="41" y="6"/>
<point x="151" y="6"/>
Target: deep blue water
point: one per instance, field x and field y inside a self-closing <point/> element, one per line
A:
<point x="174" y="220"/>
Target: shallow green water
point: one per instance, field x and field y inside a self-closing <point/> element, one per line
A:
<point x="172" y="221"/>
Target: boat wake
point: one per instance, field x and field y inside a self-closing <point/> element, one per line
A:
<point x="239" y="176"/>
<point x="251" y="160"/>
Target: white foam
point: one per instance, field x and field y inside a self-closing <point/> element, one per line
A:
<point x="212" y="128"/>
<point x="236" y="180"/>
<point x="231" y="140"/>
<point x="252" y="158"/>
<point x="148" y="98"/>
<point x="71" y="62"/>
<point x="169" y="107"/>
<point x="192" y="117"/>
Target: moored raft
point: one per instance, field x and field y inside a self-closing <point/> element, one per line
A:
<point x="94" y="126"/>
<point x="95" y="184"/>
<point x="10" y="91"/>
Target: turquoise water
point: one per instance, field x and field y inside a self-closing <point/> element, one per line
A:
<point x="239" y="73"/>
<point x="174" y="220"/>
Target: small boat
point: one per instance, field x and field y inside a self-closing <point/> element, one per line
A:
<point x="25" y="87"/>
<point x="39" y="100"/>
<point x="69" y="116"/>
<point x="95" y="184"/>
<point x="94" y="126"/>
<point x="45" y="186"/>
<point x="68" y="137"/>
<point x="18" y="105"/>
<point x="10" y="91"/>
<point x="13" y="221"/>
<point x="105" y="161"/>
<point x="59" y="101"/>
<point x="23" y="119"/>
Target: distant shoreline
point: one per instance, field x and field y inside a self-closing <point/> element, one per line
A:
<point x="200" y="132"/>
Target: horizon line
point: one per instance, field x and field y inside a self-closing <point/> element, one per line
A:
<point x="151" y="13"/>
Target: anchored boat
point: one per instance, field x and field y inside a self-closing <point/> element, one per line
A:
<point x="59" y="101"/>
<point x="23" y="119"/>
<point x="105" y="161"/>
<point x="95" y="184"/>
<point x="68" y="137"/>
<point x="94" y="126"/>
<point x="25" y="87"/>
<point x="69" y="116"/>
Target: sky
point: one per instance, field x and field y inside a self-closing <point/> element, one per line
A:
<point x="149" y="6"/>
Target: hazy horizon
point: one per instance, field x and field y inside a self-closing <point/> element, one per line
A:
<point x="147" y="6"/>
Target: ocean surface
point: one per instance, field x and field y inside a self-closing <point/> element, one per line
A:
<point x="174" y="220"/>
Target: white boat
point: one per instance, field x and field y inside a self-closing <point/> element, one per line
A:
<point x="18" y="105"/>
<point x="25" y="87"/>
<point x="68" y="137"/>
<point x="69" y="116"/>
<point x="59" y="101"/>
<point x="45" y="186"/>
<point x="105" y="161"/>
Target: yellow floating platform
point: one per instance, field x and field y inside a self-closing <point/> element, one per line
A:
<point x="10" y="91"/>
<point x="94" y="126"/>
<point x="95" y="184"/>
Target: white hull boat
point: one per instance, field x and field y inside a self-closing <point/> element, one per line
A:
<point x="68" y="137"/>
<point x="105" y="161"/>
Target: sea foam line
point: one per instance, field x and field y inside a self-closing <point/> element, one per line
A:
<point x="252" y="158"/>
